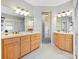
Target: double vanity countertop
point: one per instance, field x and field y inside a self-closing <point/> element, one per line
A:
<point x="25" y="33"/>
<point x="63" y="32"/>
<point x="17" y="35"/>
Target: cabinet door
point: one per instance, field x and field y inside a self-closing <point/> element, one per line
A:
<point x="62" y="41"/>
<point x="8" y="48"/>
<point x="16" y="51"/>
<point x="16" y="48"/>
<point x="8" y="51"/>
<point x="25" y="49"/>
<point x="11" y="48"/>
<point x="69" y="45"/>
<point x="35" y="41"/>
<point x="25" y="45"/>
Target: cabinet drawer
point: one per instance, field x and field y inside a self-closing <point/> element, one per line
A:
<point x="36" y="36"/>
<point x="8" y="41"/>
<point x="35" y="39"/>
<point x="25" y="38"/>
<point x="69" y="36"/>
<point x="17" y="39"/>
<point x="69" y="39"/>
<point x="55" y="33"/>
<point x="25" y="41"/>
<point x="62" y="35"/>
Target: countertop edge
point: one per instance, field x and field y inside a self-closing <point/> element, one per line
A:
<point x="17" y="35"/>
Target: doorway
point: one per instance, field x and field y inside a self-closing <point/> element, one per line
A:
<point x="46" y="27"/>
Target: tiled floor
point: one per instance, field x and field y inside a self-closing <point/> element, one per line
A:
<point x="48" y="52"/>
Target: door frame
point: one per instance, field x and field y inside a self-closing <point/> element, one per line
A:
<point x="42" y="25"/>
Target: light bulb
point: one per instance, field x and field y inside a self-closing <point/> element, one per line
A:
<point x="64" y="14"/>
<point x="46" y="15"/>
<point x="22" y="12"/>
<point x="59" y="15"/>
<point x="18" y="10"/>
<point x="69" y="13"/>
<point x="26" y="13"/>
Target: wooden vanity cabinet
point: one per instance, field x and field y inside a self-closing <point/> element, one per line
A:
<point x="64" y="41"/>
<point x="35" y="41"/>
<point x="10" y="47"/>
<point x="25" y="45"/>
<point x="16" y="47"/>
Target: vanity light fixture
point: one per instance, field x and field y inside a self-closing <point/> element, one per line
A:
<point x="68" y="13"/>
<point x="20" y="11"/>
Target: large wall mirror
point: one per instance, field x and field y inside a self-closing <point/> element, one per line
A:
<point x="64" y="23"/>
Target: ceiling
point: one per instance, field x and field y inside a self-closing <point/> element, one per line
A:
<point x="46" y="2"/>
<point x="9" y="11"/>
<point x="9" y="6"/>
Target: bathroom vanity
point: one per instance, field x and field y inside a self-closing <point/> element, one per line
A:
<point x="63" y="37"/>
<point x="14" y="46"/>
<point x="64" y="41"/>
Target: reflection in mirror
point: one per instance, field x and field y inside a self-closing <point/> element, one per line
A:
<point x="64" y="23"/>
